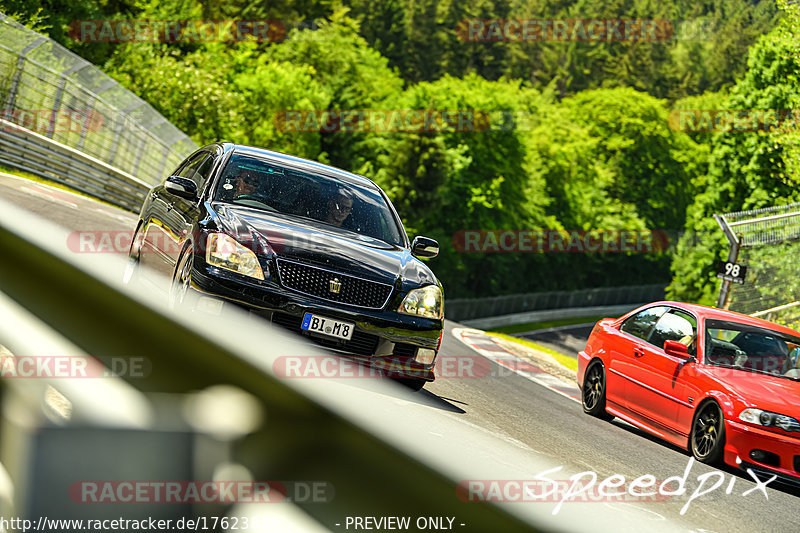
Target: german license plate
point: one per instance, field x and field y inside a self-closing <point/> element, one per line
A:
<point x="327" y="326"/>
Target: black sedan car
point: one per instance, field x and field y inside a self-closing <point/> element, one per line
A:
<point x="309" y="247"/>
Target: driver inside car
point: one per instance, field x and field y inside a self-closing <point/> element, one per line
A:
<point x="246" y="185"/>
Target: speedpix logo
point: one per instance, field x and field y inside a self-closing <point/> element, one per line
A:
<point x="588" y="487"/>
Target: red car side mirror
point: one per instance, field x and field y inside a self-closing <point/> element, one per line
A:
<point x="677" y="349"/>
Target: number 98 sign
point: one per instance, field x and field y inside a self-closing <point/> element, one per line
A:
<point x="731" y="271"/>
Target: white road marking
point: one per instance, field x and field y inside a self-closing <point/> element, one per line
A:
<point x="49" y="196"/>
<point x="474" y="338"/>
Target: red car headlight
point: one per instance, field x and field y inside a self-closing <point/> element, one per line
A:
<point x="769" y="419"/>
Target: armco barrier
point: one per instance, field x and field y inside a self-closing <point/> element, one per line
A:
<point x="33" y="153"/>
<point x="462" y="309"/>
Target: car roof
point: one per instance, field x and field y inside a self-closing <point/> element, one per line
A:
<point x="713" y="313"/>
<point x="298" y="163"/>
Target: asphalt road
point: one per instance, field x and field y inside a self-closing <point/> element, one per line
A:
<point x="567" y="340"/>
<point x="538" y="429"/>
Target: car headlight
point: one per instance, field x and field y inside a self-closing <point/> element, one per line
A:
<point x="426" y="302"/>
<point x="222" y="251"/>
<point x="769" y="419"/>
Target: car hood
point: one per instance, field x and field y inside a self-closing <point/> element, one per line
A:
<point x="772" y="393"/>
<point x="313" y="243"/>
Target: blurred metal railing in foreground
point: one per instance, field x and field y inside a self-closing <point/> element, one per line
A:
<point x="46" y="89"/>
<point x="58" y="432"/>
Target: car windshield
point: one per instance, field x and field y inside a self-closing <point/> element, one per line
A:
<point x="259" y="184"/>
<point x="752" y="348"/>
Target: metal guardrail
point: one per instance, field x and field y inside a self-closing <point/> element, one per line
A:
<point x="772" y="310"/>
<point x="33" y="153"/>
<point x="745" y="230"/>
<point x="472" y="308"/>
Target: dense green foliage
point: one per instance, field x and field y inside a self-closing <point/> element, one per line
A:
<point x="576" y="135"/>
<point x="746" y="169"/>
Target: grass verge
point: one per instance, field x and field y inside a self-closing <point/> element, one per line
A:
<point x="563" y="360"/>
<point x="54" y="184"/>
<point x="533" y="326"/>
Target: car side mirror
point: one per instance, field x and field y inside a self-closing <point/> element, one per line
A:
<point x="677" y="349"/>
<point x="424" y="247"/>
<point x="182" y="187"/>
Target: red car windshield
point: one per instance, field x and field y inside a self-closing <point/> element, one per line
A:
<point x="752" y="348"/>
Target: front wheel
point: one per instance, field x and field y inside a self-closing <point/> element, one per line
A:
<point x="593" y="393"/>
<point x="708" y="434"/>
<point x="181" y="279"/>
<point x="131" y="275"/>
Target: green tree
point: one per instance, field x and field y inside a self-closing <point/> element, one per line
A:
<point x="610" y="160"/>
<point x="747" y="169"/>
<point x="356" y="76"/>
<point x="464" y="177"/>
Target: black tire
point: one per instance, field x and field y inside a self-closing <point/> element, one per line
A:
<point x="593" y="392"/>
<point x="412" y="383"/>
<point x="181" y="279"/>
<point x="707" y="440"/>
<point x="131" y="275"/>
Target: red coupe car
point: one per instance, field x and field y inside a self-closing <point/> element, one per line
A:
<point x="723" y="385"/>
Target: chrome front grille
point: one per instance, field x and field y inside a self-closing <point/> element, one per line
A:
<point x="333" y="286"/>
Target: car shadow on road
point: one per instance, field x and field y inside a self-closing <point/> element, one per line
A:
<point x="387" y="387"/>
<point x="782" y="486"/>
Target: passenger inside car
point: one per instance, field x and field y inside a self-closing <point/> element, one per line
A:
<point x="339" y="208"/>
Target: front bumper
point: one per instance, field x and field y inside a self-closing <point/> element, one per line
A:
<point x="743" y="444"/>
<point x="399" y="345"/>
